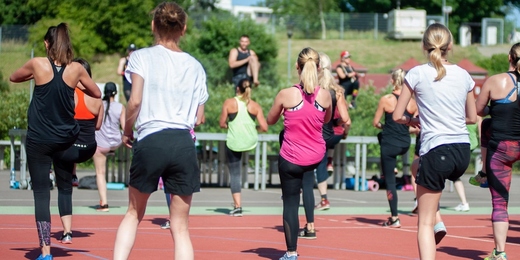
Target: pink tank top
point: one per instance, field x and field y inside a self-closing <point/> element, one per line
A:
<point x="303" y="142"/>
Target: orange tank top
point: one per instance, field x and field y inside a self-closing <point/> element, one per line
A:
<point x="82" y="112"/>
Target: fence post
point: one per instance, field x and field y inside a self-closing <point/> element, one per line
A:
<point x="341" y="19"/>
<point x="375" y="26"/>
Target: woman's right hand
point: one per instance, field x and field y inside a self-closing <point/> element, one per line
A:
<point x="128" y="140"/>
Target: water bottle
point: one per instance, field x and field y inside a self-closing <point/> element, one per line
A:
<point x="12" y="180"/>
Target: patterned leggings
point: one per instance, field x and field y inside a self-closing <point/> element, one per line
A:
<point x="499" y="161"/>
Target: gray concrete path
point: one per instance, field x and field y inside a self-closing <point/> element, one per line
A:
<point x="217" y="200"/>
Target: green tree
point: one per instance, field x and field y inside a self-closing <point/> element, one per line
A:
<point x="19" y="12"/>
<point x="312" y="11"/>
<point x="13" y="111"/>
<point x="4" y="86"/>
<point x="218" y="35"/>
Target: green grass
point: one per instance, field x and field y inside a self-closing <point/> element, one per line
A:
<point x="378" y="55"/>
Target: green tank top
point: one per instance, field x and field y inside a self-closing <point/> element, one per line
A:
<point x="473" y="136"/>
<point x="242" y="134"/>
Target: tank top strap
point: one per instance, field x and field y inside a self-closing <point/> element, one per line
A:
<point x="54" y="67"/>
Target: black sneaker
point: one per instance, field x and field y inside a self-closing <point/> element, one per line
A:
<point x="66" y="238"/>
<point x="392" y="223"/>
<point x="236" y="212"/>
<point x="307" y="234"/>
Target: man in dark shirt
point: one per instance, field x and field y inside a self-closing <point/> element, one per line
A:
<point x="244" y="62"/>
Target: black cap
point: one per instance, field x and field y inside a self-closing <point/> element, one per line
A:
<point x="131" y="47"/>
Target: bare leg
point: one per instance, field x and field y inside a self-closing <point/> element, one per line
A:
<point x="180" y="209"/>
<point x="322" y="187"/>
<point x="66" y="222"/>
<point x="500" y="234"/>
<point x="459" y="187"/>
<point x="127" y="230"/>
<point x="100" y="161"/>
<point x="429" y="202"/>
<point x="236" y="200"/>
<point x="253" y="69"/>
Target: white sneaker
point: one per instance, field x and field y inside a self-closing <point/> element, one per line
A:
<point x="462" y="207"/>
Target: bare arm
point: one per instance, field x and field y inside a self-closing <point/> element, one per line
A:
<point x="376" y="122"/>
<point x="328" y="100"/>
<point x="90" y="86"/>
<point x="341" y="105"/>
<point x="261" y="119"/>
<point x="201" y="117"/>
<point x="99" y="117"/>
<point x="224" y="115"/>
<point x="398" y="115"/>
<point x="471" y="111"/>
<point x="24" y="73"/>
<point x="276" y="110"/>
<point x="232" y="59"/>
<point x="483" y="98"/>
<point x="132" y="109"/>
<point x="340" y="72"/>
<point x="122" y="118"/>
<point x="121" y="66"/>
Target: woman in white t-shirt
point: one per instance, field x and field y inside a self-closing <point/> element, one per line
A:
<point x="444" y="96"/>
<point x="167" y="100"/>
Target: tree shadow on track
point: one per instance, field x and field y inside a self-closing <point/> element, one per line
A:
<point x="75" y="234"/>
<point x="463" y="253"/>
<point x="370" y="221"/>
<point x="33" y="253"/>
<point x="269" y="253"/>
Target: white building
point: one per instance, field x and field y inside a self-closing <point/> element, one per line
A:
<point x="257" y="13"/>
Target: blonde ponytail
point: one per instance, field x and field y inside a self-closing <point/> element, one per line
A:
<point x="308" y="62"/>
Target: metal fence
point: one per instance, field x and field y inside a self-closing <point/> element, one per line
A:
<point x="335" y="26"/>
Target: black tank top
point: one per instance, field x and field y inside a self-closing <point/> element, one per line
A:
<point x="506" y="120"/>
<point x="347" y="80"/>
<point x="242" y="69"/>
<point x="51" y="111"/>
<point x="328" y="128"/>
<point x="394" y="133"/>
<point x="87" y="132"/>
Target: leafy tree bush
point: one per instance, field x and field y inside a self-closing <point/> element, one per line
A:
<point x="496" y="64"/>
<point x="218" y="35"/>
<point x="13" y="111"/>
<point x="4" y="86"/>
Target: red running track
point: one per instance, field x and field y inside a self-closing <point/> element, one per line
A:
<point x="258" y="237"/>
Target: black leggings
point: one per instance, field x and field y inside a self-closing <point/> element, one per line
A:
<point x="234" y="161"/>
<point x="292" y="178"/>
<point x="351" y="88"/>
<point x="389" y="155"/>
<point x="64" y="168"/>
<point x="39" y="159"/>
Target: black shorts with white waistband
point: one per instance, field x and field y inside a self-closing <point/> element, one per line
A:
<point x="169" y="154"/>
<point x="443" y="162"/>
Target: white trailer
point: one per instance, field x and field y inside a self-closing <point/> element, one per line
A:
<point x="406" y="24"/>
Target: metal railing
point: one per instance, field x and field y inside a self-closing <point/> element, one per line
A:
<point x="212" y="159"/>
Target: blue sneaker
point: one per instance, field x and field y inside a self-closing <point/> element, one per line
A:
<point x="289" y="257"/>
<point x="440" y="231"/>
<point x="47" y="257"/>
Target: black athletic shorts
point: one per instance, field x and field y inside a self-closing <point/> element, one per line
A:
<point x="443" y="162"/>
<point x="169" y="154"/>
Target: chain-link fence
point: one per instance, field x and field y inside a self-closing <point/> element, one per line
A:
<point x="330" y="26"/>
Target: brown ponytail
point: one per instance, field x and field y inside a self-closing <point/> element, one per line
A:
<point x="59" y="45"/>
